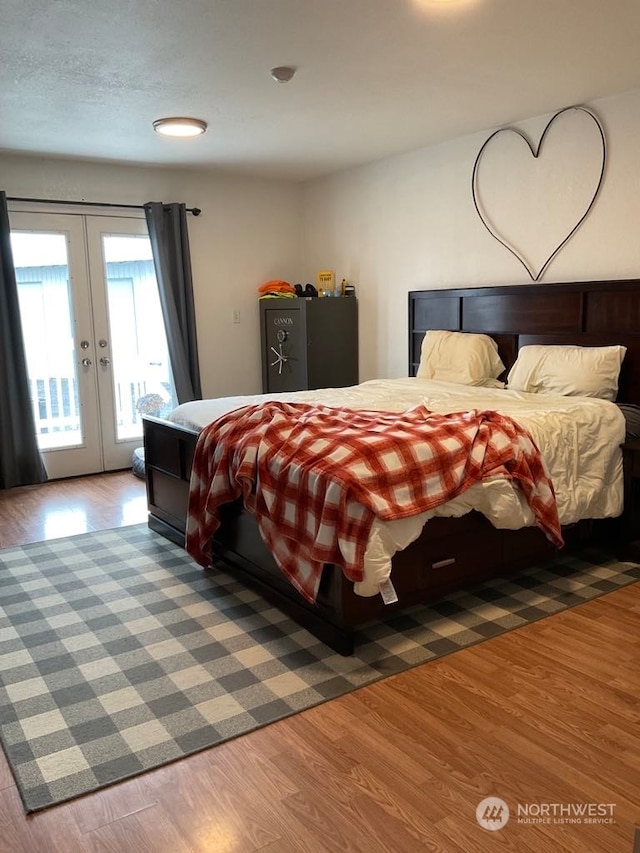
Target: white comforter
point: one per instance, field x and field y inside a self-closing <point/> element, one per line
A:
<point x="579" y="438"/>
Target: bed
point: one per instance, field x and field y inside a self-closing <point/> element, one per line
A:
<point x="450" y="552"/>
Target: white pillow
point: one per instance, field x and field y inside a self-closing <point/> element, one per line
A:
<point x="569" y="370"/>
<point x="461" y="357"/>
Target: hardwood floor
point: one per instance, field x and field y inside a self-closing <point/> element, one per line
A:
<point x="547" y="714"/>
<point x="68" y="507"/>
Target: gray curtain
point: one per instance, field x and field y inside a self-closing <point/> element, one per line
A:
<point x="20" y="460"/>
<point x="167" y="225"/>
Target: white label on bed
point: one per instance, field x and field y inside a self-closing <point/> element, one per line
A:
<point x="387" y="592"/>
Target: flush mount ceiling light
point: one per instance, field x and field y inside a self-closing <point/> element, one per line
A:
<point x="180" y="126"/>
<point x="283" y="73"/>
<point x="425" y="4"/>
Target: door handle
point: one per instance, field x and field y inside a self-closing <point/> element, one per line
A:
<point x="105" y="362"/>
<point x="86" y="362"/>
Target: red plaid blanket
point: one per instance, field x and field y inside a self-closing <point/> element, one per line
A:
<point x="315" y="477"/>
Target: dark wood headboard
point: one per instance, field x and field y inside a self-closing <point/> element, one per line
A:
<point x="586" y="313"/>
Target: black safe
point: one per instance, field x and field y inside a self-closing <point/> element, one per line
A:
<point x="309" y="343"/>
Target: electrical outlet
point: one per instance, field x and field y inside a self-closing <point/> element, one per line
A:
<point x="236" y="315"/>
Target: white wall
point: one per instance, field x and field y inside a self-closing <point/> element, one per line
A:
<point x="248" y="232"/>
<point x="409" y="222"/>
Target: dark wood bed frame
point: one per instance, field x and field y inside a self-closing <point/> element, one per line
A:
<point x="451" y="553"/>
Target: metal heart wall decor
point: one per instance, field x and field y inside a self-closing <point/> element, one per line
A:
<point x="553" y="186"/>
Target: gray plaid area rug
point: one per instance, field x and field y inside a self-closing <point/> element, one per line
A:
<point x="119" y="654"/>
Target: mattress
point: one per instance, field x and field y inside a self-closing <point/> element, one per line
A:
<point x="579" y="439"/>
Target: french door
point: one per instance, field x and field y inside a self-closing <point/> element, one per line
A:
<point x="94" y="337"/>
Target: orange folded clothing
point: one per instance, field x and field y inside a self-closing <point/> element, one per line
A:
<point x="276" y="286"/>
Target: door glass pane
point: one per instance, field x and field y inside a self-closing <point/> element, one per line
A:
<point x="46" y="313"/>
<point x="142" y="378"/>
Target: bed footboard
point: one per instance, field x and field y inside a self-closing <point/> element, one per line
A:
<point x="168" y="455"/>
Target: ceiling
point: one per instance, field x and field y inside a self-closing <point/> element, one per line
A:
<point x="374" y="77"/>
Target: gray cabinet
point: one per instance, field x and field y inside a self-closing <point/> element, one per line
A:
<point x="309" y="343"/>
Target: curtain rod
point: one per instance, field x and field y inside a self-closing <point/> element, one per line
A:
<point x="195" y="210"/>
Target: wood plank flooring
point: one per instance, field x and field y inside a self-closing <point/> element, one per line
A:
<point x="68" y="507"/>
<point x="548" y="714"/>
